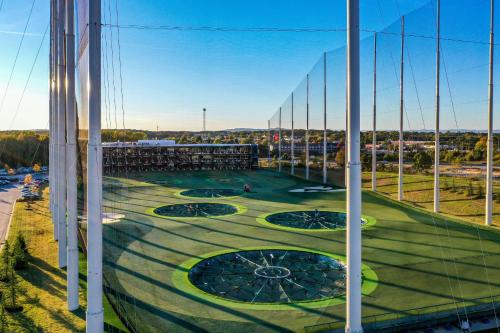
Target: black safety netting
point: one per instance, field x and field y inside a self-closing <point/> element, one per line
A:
<point x="270" y="276"/>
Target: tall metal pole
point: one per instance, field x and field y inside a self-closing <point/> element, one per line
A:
<point x="401" y="113"/>
<point x="54" y="139"/>
<point x="279" y="142"/>
<point x="307" y="126"/>
<point x="374" y="138"/>
<point x="292" y="145"/>
<point x="325" y="160"/>
<point x="204" y="120"/>
<point x="61" y="137"/>
<point x="346" y="136"/>
<point x="95" y="312"/>
<point x="71" y="158"/>
<point x="489" y="163"/>
<point x="51" y="107"/>
<point x="269" y="143"/>
<point x="353" y="195"/>
<point x="438" y="106"/>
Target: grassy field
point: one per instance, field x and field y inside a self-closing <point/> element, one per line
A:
<point x="42" y="284"/>
<point x="455" y="199"/>
<point x="420" y="260"/>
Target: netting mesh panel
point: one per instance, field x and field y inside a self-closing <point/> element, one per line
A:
<point x="336" y="115"/>
<point x="309" y="219"/>
<point x="211" y="193"/>
<point x="196" y="210"/>
<point x="286" y="134"/>
<point x="316" y="120"/>
<point x="300" y="127"/>
<point x="270" y="276"/>
<point x="274" y="124"/>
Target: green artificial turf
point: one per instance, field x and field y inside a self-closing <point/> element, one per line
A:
<point x="421" y="260"/>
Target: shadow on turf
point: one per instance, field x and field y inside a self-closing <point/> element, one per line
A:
<point x="245" y="236"/>
<point x="443" y="227"/>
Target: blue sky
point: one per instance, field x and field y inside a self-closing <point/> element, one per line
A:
<point x="240" y="77"/>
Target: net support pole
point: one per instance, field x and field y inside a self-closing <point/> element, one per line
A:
<point x="374" y="134"/>
<point x="353" y="194"/>
<point x="437" y="146"/>
<point x="489" y="162"/>
<point x="279" y="142"/>
<point x="269" y="143"/>
<point x="51" y="109"/>
<point x="95" y="312"/>
<point x="71" y="158"/>
<point x="61" y="137"/>
<point x="346" y="138"/>
<point x="307" y="126"/>
<point x="55" y="154"/>
<point x="325" y="160"/>
<point x="401" y="113"/>
<point x="292" y="145"/>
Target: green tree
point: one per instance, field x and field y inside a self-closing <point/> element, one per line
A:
<point x="422" y="161"/>
<point x="480" y="192"/>
<point x="470" y="190"/>
<point x="340" y="157"/>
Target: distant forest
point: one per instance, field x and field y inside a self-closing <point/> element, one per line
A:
<point x="25" y="148"/>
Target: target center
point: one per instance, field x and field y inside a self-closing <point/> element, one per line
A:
<point x="273" y="272"/>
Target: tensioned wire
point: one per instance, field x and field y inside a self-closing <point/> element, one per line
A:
<point x="17" y="56"/>
<point x="443" y="59"/>
<point x="438" y="236"/>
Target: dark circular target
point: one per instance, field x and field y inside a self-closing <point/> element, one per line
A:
<point x="196" y="210"/>
<point x="211" y="193"/>
<point x="270" y="276"/>
<point x="310" y="219"/>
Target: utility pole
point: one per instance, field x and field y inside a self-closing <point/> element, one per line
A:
<point x="71" y="158"/>
<point x="353" y="194"/>
<point x="401" y="113"/>
<point x="489" y="162"/>
<point x="374" y="138"/>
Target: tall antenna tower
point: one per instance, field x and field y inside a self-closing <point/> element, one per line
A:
<point x="204" y="124"/>
<point x="204" y="120"/>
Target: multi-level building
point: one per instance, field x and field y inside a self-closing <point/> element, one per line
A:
<point x="165" y="155"/>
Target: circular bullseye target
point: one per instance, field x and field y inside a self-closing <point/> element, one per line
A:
<point x="213" y="193"/>
<point x="270" y="276"/>
<point x="195" y="209"/>
<point x="311" y="220"/>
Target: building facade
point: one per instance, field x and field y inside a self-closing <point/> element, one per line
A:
<point x="152" y="155"/>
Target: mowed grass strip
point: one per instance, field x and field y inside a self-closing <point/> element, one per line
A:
<point x="455" y="199"/>
<point x="42" y="284"/>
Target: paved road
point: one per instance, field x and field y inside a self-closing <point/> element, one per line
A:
<point x="8" y="196"/>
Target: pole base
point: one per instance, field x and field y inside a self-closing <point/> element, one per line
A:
<point x="350" y="330"/>
<point x="95" y="322"/>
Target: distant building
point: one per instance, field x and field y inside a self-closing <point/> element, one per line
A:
<point x="314" y="148"/>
